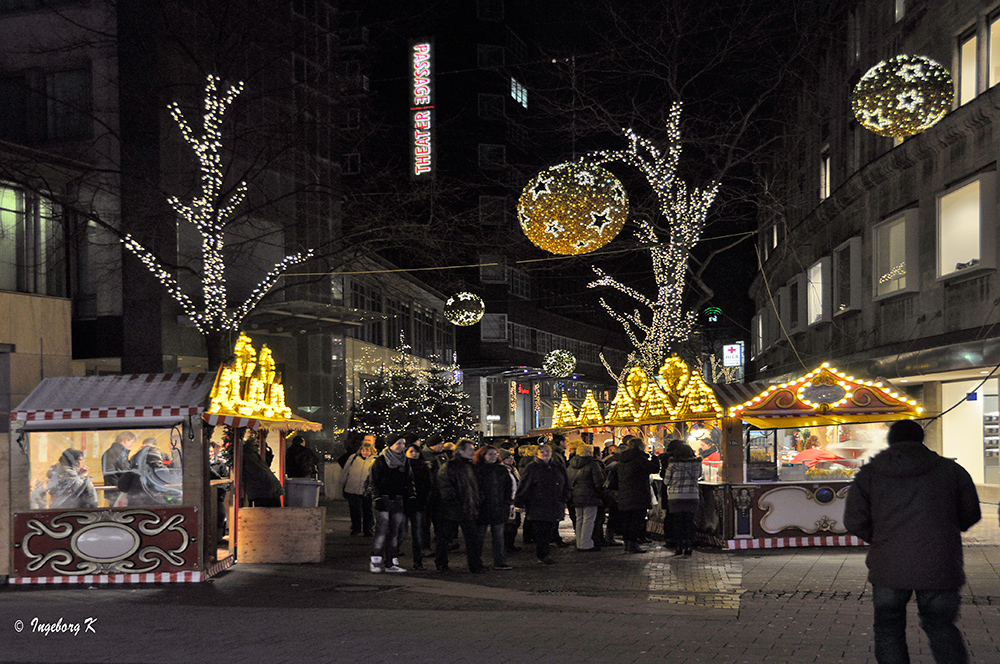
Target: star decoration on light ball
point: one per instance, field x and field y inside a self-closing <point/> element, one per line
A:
<point x="559" y="363"/>
<point x="464" y="309"/>
<point x="903" y="96"/>
<point x="573" y="208"/>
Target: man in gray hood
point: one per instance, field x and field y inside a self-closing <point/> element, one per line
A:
<point x="912" y="505"/>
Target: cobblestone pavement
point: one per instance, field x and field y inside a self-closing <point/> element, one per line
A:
<point x="788" y="606"/>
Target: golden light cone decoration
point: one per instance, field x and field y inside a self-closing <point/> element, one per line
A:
<point x="627" y="404"/>
<point x="563" y="416"/>
<point x="903" y="96"/>
<point x="590" y="412"/>
<point x="572" y="208"/>
<point x="655" y="405"/>
<point x="672" y="378"/>
<point x="249" y="387"/>
<point x="697" y="401"/>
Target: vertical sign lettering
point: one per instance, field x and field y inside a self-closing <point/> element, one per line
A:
<point x="422" y="110"/>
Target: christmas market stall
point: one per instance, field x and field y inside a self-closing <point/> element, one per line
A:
<point x="272" y="518"/>
<point x="801" y="443"/>
<point x="110" y="481"/>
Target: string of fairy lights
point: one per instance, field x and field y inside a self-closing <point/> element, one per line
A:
<point x="210" y="217"/>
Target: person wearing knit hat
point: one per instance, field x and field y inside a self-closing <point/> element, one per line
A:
<point x="912" y="505"/>
<point x="392" y="484"/>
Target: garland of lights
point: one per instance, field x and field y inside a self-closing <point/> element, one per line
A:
<point x="559" y="363"/>
<point x="685" y="212"/>
<point x="903" y="96"/>
<point x="464" y="309"/>
<point x="572" y="208"/>
<point x="209" y="217"/>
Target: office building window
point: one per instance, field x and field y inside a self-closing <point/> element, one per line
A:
<point x="518" y="92"/>
<point x="489" y="10"/>
<point x="493" y="327"/>
<point x="994" y="50"/>
<point x="492" y="156"/>
<point x="31" y="243"/>
<point x="491" y="107"/>
<point x="966" y="218"/>
<point x="824" y="173"/>
<point x="818" y="292"/>
<point x="757" y="336"/>
<point x="350" y="164"/>
<point x="492" y="210"/>
<point x="52" y="107"/>
<point x="847" y="276"/>
<point x="489" y="56"/>
<point x="900" y="9"/>
<point x="892" y="258"/>
<point x="967" y="61"/>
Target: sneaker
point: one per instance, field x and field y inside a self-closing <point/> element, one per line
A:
<point x="546" y="561"/>
<point x="375" y="567"/>
<point x="394" y="569"/>
<point x="502" y="568"/>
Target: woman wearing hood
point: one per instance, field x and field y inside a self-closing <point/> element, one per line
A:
<point x="683" y="495"/>
<point x="392" y="484"/>
<point x="495" y="498"/>
<point x="586" y="478"/>
<point x="69" y="485"/>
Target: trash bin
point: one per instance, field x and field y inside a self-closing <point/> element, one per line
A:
<point x="302" y="492"/>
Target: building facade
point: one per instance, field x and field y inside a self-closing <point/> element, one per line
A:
<point x="879" y="255"/>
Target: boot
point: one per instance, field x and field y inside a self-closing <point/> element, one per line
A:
<point x="632" y="546"/>
<point x="375" y="566"/>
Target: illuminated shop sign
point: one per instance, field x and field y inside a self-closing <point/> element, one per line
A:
<point x="732" y="355"/>
<point x="422" y="110"/>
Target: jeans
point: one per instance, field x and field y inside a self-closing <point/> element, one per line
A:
<point x="417" y="520"/>
<point x="387" y="527"/>
<point x="938" y="610"/>
<point x="361" y="513"/>
<point x="499" y="543"/>
<point x="445" y="531"/>
<point x="586" y="518"/>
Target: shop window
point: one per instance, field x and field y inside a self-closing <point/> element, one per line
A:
<point x="994" y="35"/>
<point x="818" y="292"/>
<point x="81" y="469"/>
<point x="847" y="276"/>
<point x="967" y="69"/>
<point x="824" y="173"/>
<point x="965" y="222"/>
<point x="895" y="255"/>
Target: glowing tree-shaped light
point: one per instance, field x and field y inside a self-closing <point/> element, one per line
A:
<point x="559" y="363"/>
<point x="464" y="309"/>
<point x="590" y="412"/>
<point x="563" y="415"/>
<point x="572" y="208"/>
<point x="903" y="96"/>
<point x="209" y="213"/>
<point x="684" y="211"/>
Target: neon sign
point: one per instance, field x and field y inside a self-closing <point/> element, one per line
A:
<point x="422" y="110"/>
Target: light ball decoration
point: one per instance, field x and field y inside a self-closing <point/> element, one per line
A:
<point x="903" y="96"/>
<point x="559" y="363"/>
<point x="573" y="208"/>
<point x="464" y="309"/>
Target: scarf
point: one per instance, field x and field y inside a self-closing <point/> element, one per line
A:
<point x="394" y="460"/>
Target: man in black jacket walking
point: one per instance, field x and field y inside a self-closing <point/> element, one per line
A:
<point x="912" y="506"/>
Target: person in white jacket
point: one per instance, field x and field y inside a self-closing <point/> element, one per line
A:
<point x="353" y="480"/>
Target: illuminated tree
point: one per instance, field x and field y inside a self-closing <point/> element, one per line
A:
<point x="659" y="333"/>
<point x="209" y="213"/>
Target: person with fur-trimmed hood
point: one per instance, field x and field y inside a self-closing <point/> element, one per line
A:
<point x="586" y="478"/>
<point x="457" y="506"/>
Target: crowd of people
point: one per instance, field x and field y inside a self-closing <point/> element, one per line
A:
<point x="413" y="486"/>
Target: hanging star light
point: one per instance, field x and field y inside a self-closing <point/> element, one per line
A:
<point x="464" y="309"/>
<point x="210" y="215"/>
<point x="573" y="208"/>
<point x="685" y="212"/>
<point x="559" y="363"/>
<point x="903" y="96"/>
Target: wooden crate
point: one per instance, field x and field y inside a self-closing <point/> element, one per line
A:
<point x="282" y="535"/>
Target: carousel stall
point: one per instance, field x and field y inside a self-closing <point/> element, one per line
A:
<point x="801" y="443"/>
<point x="109" y="479"/>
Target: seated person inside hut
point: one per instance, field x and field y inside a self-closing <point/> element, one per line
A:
<point x="151" y="481"/>
<point x="813" y="453"/>
<point x="69" y="485"/>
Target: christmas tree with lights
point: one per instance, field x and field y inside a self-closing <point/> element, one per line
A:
<point x="451" y="415"/>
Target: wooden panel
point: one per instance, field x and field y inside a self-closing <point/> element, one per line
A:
<point x="282" y="535"/>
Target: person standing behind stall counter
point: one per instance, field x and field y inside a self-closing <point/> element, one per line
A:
<point x="300" y="461"/>
<point x="115" y="461"/>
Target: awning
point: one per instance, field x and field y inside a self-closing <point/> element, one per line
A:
<point x="294" y="423"/>
<point x="108" y="400"/>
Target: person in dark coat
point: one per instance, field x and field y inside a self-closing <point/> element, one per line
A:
<point x="912" y="506"/>
<point x="69" y="486"/>
<point x="514" y="517"/>
<point x="258" y="483"/>
<point x="543" y="494"/>
<point x="435" y="456"/>
<point x="586" y="479"/>
<point x="300" y="461"/>
<point x="457" y="506"/>
<point x="417" y="506"/>
<point x="115" y="461"/>
<point x="495" y="499"/>
<point x="391" y="485"/>
<point x="634" y="469"/>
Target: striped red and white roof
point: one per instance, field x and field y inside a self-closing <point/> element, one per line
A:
<point x="115" y="397"/>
